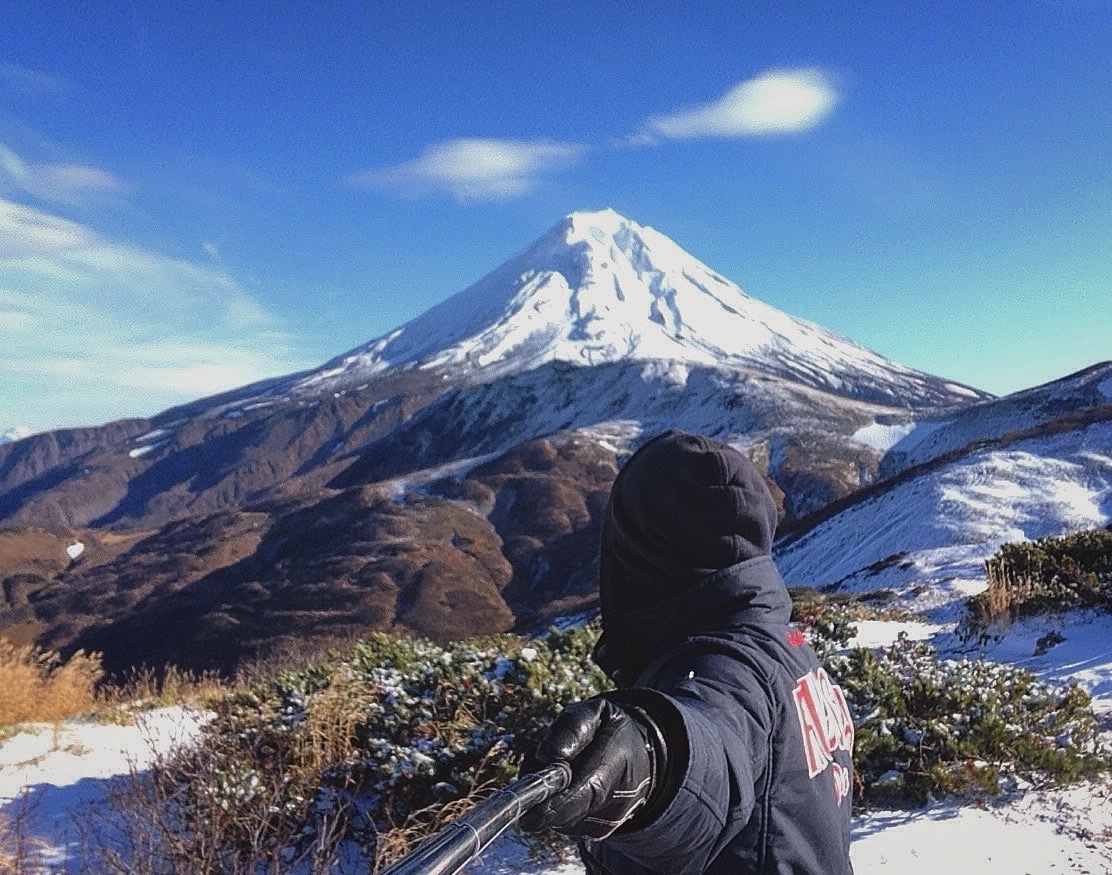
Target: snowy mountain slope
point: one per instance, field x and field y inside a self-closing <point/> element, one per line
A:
<point x="993" y="419"/>
<point x="599" y="288"/>
<point x="600" y="333"/>
<point x="926" y="537"/>
<point x="801" y="436"/>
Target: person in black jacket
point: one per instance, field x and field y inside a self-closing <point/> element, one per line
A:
<point x="726" y="748"/>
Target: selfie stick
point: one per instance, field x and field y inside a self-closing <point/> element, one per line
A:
<point x="447" y="852"/>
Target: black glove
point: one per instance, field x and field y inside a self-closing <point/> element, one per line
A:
<point x="616" y="755"/>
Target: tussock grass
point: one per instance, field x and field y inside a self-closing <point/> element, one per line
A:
<point x="39" y="687"/>
<point x="144" y="687"/>
<point x="1047" y="576"/>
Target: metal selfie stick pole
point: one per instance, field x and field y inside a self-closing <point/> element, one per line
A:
<point x="447" y="852"/>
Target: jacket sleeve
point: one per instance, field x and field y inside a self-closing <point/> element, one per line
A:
<point x="717" y="713"/>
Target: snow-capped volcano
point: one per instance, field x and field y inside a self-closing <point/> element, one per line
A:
<point x="599" y="288"/>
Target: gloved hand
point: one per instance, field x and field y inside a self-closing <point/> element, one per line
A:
<point x="615" y="756"/>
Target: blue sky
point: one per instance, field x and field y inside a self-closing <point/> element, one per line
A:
<point x="197" y="196"/>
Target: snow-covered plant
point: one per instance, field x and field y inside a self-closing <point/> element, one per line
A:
<point x="927" y="726"/>
<point x="381" y="739"/>
<point x="382" y="745"/>
<point x="828" y="620"/>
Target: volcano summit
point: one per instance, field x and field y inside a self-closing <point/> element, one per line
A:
<point x="599" y="289"/>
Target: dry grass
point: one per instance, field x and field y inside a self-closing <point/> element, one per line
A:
<point x="1007" y="589"/>
<point x="39" y="687"/>
<point x="147" y="688"/>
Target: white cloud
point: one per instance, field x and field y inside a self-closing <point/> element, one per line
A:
<point x="475" y="169"/>
<point x="776" y="102"/>
<point x="15" y="320"/>
<point x="95" y="330"/>
<point x="27" y="232"/>
<point x="74" y="178"/>
<point x="62" y="183"/>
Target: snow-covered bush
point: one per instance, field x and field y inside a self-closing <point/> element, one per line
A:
<point x="371" y="746"/>
<point x="928" y="727"/>
<point x="384" y="745"/>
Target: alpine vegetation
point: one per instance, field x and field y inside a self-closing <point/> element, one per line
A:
<point x="362" y="755"/>
<point x="1044" y="576"/>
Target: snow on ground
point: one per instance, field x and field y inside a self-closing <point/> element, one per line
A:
<point x="1084" y="654"/>
<point x="53" y="773"/>
<point x="877" y="633"/>
<point x="14" y="433"/>
<point x="417" y="481"/>
<point x="883" y="437"/>
<point x="66" y="770"/>
<point x="989" y="420"/>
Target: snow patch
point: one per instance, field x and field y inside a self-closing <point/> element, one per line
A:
<point x="142" y="451"/>
<point x="1083" y="655"/>
<point x="880" y="633"/>
<point x="883" y="437"/>
<point x="420" y="480"/>
<point x="928" y="538"/>
<point x="151" y="436"/>
<point x="1105" y="388"/>
<point x="67" y="771"/>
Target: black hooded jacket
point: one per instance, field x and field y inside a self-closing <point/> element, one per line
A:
<point x="696" y="632"/>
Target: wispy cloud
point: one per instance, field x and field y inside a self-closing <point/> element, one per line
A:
<point x="60" y="183"/>
<point x="784" y="101"/>
<point x="28" y="232"/>
<point x="95" y="329"/>
<point x="475" y="169"/>
<point x="34" y="83"/>
<point x="776" y="102"/>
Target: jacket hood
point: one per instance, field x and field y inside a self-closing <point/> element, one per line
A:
<point x="751" y="592"/>
<point x="686" y="515"/>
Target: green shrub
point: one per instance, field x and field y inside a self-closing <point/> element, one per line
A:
<point x="928" y="727"/>
<point x="1044" y="576"/>
<point x="387" y="744"/>
<point x="379" y="742"/>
